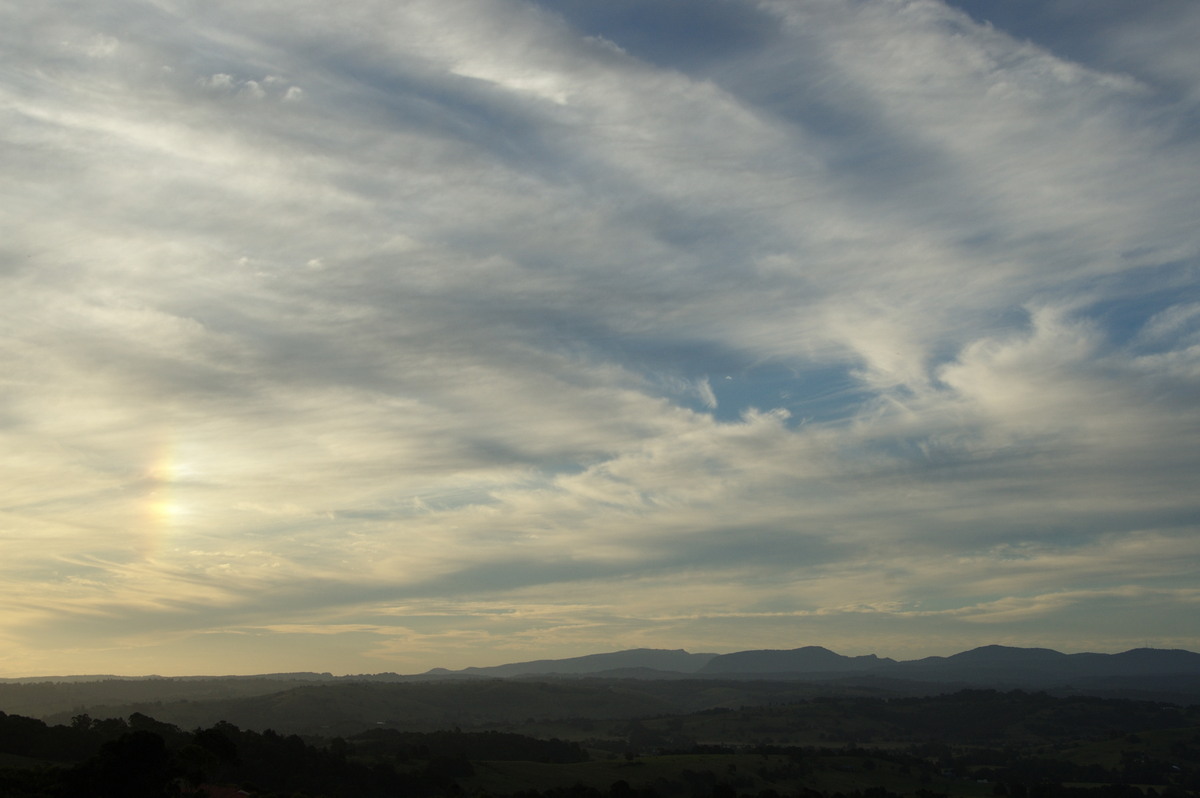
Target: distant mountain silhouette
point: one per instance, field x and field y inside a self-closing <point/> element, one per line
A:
<point x="809" y="659"/>
<point x="614" y="684"/>
<point x="993" y="665"/>
<point x="1004" y="665"/>
<point x="1144" y="672"/>
<point x="649" y="660"/>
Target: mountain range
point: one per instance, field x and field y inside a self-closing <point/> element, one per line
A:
<point x="993" y="665"/>
<point x="619" y="684"/>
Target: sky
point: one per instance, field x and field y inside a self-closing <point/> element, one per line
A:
<point x="382" y="336"/>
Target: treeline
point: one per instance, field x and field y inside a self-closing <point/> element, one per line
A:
<point x="1021" y="746"/>
<point x="143" y="758"/>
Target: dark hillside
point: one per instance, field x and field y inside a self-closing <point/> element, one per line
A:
<point x="972" y="744"/>
<point x="347" y="708"/>
<point x="807" y="660"/>
<point x="46" y="698"/>
<point x="651" y="659"/>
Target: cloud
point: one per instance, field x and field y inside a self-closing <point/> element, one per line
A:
<point x="307" y="318"/>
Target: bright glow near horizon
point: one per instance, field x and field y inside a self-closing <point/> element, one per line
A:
<point x="380" y="337"/>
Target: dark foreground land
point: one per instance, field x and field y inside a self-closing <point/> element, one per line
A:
<point x="970" y="743"/>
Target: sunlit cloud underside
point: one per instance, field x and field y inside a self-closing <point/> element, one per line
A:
<point x="385" y="336"/>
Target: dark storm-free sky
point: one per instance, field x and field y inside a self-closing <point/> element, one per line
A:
<point x="389" y="335"/>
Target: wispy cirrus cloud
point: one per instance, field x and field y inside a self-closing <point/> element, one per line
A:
<point x="549" y="329"/>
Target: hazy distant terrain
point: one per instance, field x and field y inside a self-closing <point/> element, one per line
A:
<point x="789" y="741"/>
<point x="626" y="684"/>
<point x="644" y="723"/>
<point x="651" y="659"/>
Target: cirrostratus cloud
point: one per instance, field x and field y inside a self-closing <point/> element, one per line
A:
<point x="419" y="334"/>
